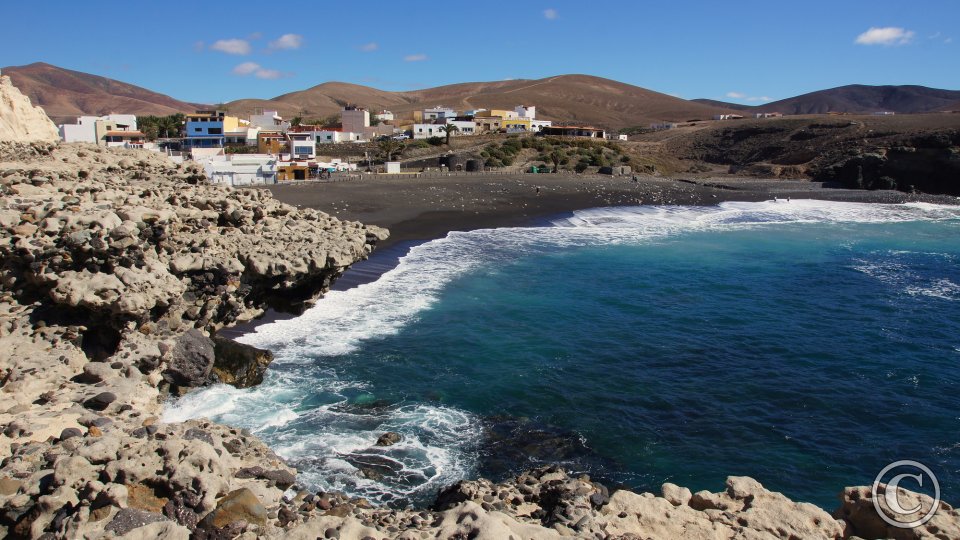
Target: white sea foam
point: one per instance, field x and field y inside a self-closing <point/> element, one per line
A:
<point x="327" y="442"/>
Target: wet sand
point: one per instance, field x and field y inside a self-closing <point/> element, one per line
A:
<point x="418" y="209"/>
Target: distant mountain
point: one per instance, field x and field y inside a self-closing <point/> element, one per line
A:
<point x="723" y="104"/>
<point x="859" y="98"/>
<point x="65" y="94"/>
<point x="569" y="98"/>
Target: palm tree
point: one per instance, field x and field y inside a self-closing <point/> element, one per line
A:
<point x="556" y="157"/>
<point x="449" y="129"/>
<point x="389" y="148"/>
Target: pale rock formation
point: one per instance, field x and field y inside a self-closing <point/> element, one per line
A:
<point x="19" y="119"/>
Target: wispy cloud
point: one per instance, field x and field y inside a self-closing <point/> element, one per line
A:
<point x="948" y="40"/>
<point x="369" y="47"/>
<point x="255" y="36"/>
<point x="550" y="14"/>
<point x="232" y="46"/>
<point x="258" y="71"/>
<point x="246" y="68"/>
<point x="414" y="58"/>
<point x="745" y="97"/>
<point x="199" y="46"/>
<point x="286" y="42"/>
<point x="887" y="35"/>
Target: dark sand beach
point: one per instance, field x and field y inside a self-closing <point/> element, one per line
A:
<point x="417" y="209"/>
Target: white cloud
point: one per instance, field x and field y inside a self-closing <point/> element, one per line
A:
<point x="246" y="68"/>
<point x="269" y="74"/>
<point x="255" y="36"/>
<point x="258" y="71"/>
<point x="948" y="40"/>
<point x="369" y="47"/>
<point x="888" y="35"/>
<point x="550" y="14"/>
<point x="232" y="46"/>
<point x="744" y="97"/>
<point x="287" y="41"/>
<point x="934" y="36"/>
<point x="415" y="58"/>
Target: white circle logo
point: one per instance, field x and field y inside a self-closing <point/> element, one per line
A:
<point x="889" y="505"/>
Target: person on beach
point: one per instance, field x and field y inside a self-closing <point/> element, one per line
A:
<point x="538" y="191"/>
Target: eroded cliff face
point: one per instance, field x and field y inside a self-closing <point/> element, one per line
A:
<point x="20" y="120"/>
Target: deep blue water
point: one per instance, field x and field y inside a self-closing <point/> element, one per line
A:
<point x="805" y="344"/>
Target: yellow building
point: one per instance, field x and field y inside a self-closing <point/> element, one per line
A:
<point x="502" y="113"/>
<point x="516" y="124"/>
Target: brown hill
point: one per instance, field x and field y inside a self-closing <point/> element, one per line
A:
<point x="567" y="98"/>
<point x="858" y="99"/>
<point x="65" y="94"/>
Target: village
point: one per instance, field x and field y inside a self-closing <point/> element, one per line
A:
<point x="265" y="148"/>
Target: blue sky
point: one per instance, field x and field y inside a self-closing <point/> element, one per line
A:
<point x="740" y="51"/>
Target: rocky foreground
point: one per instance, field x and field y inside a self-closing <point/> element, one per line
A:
<point x="117" y="267"/>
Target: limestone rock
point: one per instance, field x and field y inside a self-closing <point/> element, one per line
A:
<point x="238" y="505"/>
<point x="19" y="119"/>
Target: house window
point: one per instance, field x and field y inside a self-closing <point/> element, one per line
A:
<point x="215" y="131"/>
<point x="198" y="129"/>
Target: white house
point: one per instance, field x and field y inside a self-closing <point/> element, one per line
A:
<point x="537" y="125"/>
<point x="269" y="120"/>
<point x="661" y="126"/>
<point x="464" y="127"/>
<point x="94" y="129"/>
<point x="425" y="131"/>
<point x="302" y="145"/>
<point x="768" y="115"/>
<point x="328" y="136"/>
<point x="438" y="113"/>
<point x="473" y="112"/>
<point x="241" y="169"/>
<point x="727" y="116"/>
<point x="384" y="116"/>
<point x="526" y="112"/>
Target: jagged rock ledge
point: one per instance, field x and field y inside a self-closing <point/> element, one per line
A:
<point x="117" y="267"/>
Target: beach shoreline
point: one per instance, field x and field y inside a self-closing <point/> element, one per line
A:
<point x="423" y="209"/>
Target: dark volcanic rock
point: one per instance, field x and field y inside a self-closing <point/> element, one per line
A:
<point x="239" y="365"/>
<point x="128" y="519"/>
<point x="100" y="401"/>
<point x="191" y="360"/>
<point x="389" y="439"/>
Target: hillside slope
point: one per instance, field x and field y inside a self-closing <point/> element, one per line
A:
<point x="570" y="98"/>
<point x="65" y="93"/>
<point x="863" y="99"/>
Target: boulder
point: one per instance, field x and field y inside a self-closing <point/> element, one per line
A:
<point x="239" y="365"/>
<point x="191" y="360"/>
<point x="238" y="505"/>
<point x="389" y="439"/>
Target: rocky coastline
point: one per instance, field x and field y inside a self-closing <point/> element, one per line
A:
<point x="119" y="267"/>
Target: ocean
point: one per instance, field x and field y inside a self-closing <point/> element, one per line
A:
<point x="806" y="344"/>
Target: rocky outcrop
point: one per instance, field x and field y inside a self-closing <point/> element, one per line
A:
<point x="20" y="120"/>
<point x="117" y="266"/>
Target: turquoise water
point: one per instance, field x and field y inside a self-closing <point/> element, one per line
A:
<point x="806" y="344"/>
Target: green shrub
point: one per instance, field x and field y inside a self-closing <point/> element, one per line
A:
<point x="435" y="141"/>
<point x="581" y="166"/>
